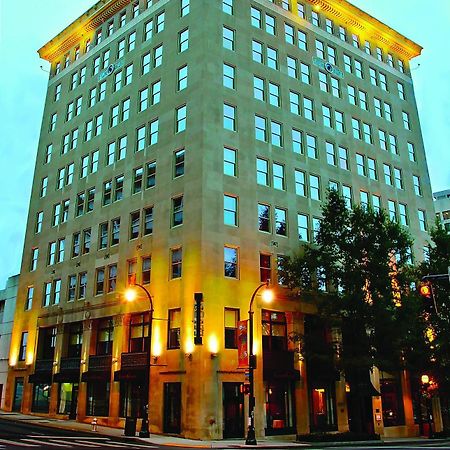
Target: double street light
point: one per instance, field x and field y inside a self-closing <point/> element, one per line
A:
<point x="267" y="297"/>
<point x="130" y="296"/>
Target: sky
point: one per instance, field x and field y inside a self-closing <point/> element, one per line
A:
<point x="25" y="27"/>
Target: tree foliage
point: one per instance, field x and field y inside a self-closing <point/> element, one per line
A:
<point x="363" y="257"/>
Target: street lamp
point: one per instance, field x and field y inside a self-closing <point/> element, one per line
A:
<point x="267" y="297"/>
<point x="130" y="296"/>
<point x="426" y="383"/>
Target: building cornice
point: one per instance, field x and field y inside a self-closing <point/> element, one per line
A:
<point x="83" y="26"/>
<point x="368" y="27"/>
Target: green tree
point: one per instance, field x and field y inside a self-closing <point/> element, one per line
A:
<point x="364" y="259"/>
<point x="438" y="317"/>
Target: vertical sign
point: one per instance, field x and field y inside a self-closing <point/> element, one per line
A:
<point x="242" y="343"/>
<point x="198" y="318"/>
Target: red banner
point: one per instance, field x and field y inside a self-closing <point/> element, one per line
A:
<point x="242" y="343"/>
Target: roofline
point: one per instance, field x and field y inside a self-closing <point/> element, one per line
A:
<point x="349" y="14"/>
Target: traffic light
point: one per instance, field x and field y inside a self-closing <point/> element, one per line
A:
<point x="425" y="290"/>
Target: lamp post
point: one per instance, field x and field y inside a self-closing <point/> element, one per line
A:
<point x="251" y="436"/>
<point x="130" y="296"/>
<point x="426" y="382"/>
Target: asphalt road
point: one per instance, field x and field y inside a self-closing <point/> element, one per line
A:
<point x="29" y="436"/>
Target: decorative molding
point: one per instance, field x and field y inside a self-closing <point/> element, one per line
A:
<point x="82" y="27"/>
<point x="367" y="25"/>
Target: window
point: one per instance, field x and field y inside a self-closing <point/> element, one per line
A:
<point x="364" y="199"/>
<point x="301" y="40"/>
<point x="411" y="152"/>
<point x="148" y="30"/>
<point x="257" y="54"/>
<point x="29" y="298"/>
<point x="177" y="211"/>
<point x="323" y="81"/>
<point x="356" y="128"/>
<point x="383" y="81"/>
<point x="150" y="174"/>
<point x="276" y="134"/>
<point x="398" y="178"/>
<point x="154" y="128"/>
<point x="178" y="169"/>
<point x="422" y="220"/>
<point x="230" y="162"/>
<point x="139" y="340"/>
<point x="274" y="94"/>
<point x="314" y="187"/>
<point x="308" y="110"/>
<point x="146" y="269"/>
<point x="103" y="235"/>
<point x="174" y="326"/>
<point x="376" y="203"/>
<point x="182" y="74"/>
<point x="358" y="69"/>
<point x="387" y="174"/>
<point x="135" y="218"/>
<point x="311" y="146"/>
<point x="272" y="58"/>
<point x="39" y="220"/>
<point x="367" y="133"/>
<point x="360" y="166"/>
<point x="278" y="176"/>
<point x="363" y="100"/>
<point x="157" y="55"/>
<point x="339" y="121"/>
<point x="115" y="231"/>
<point x="326" y="114"/>
<point x="401" y="90"/>
<point x="183" y="40"/>
<point x="228" y="38"/>
<point x="112" y="278"/>
<point x="292" y="66"/>
<point x="289" y="33"/>
<point x="264" y="267"/>
<point x="392" y="211"/>
<point x="270" y="24"/>
<point x="105" y="334"/>
<point x="180" y="121"/>
<point x="230" y="257"/>
<point x="230" y="205"/>
<point x="372" y="169"/>
<point x="294" y="102"/>
<point x="406" y="122"/>
<point x="176" y="260"/>
<point x="228" y="76"/>
<point x="403" y="215"/>
<point x="53" y="119"/>
<point x="227" y="7"/>
<point x="263" y="217"/>
<point x="148" y="221"/>
<point x="297" y="141"/>
<point x="229" y="117"/>
<point x="417" y="186"/>
<point x="231" y="319"/>
<point x="23" y="346"/>
<point x="280" y="222"/>
<point x="300" y="185"/>
<point x="315" y="18"/>
<point x="347" y="195"/>
<point x="262" y="172"/>
<point x="160" y="22"/>
<point x="302" y="227"/>
<point x="331" y="155"/>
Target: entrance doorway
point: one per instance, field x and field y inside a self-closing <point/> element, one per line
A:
<point x="68" y="399"/>
<point x="233" y="410"/>
<point x="172" y="408"/>
<point x="18" y="394"/>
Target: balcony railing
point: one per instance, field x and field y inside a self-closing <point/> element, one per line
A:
<point x="134" y="360"/>
<point x="100" y="362"/>
<point x="43" y="365"/>
<point x="70" y="364"/>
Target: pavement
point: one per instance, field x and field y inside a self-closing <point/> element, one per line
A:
<point x="275" y="442"/>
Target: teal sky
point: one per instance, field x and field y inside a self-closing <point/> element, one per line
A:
<point x="26" y="26"/>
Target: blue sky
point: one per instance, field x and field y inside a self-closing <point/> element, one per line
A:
<point x="25" y="28"/>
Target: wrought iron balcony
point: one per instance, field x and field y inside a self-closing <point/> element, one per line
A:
<point x="100" y="363"/>
<point x="134" y="360"/>
<point x="70" y="364"/>
<point x="43" y="365"/>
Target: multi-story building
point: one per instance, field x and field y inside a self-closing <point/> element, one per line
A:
<point x="442" y="207"/>
<point x="189" y="145"/>
<point x="7" y="308"/>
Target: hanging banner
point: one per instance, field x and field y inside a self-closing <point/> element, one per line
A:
<point x="242" y="343"/>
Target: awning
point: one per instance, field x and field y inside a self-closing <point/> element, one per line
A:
<point x="96" y="375"/>
<point x="68" y="376"/>
<point x="40" y="378"/>
<point x="129" y="375"/>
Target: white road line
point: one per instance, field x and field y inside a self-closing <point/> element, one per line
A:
<point x="135" y="445"/>
<point x="65" y="437"/>
<point x="40" y="442"/>
<point x="17" y="443"/>
<point x="88" y="444"/>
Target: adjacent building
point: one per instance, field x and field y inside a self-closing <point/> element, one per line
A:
<point x="442" y="207"/>
<point x="7" y="309"/>
<point x="189" y="144"/>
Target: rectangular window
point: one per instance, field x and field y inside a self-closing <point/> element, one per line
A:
<point x="231" y="319"/>
<point x="174" y="327"/>
<point x="276" y="134"/>
<point x="331" y="155"/>
<point x="29" y="298"/>
<point x="230" y="214"/>
<point x="230" y="162"/>
<point x="272" y="58"/>
<point x="278" y="176"/>
<point x="229" y="117"/>
<point x="177" y="211"/>
<point x="417" y="186"/>
<point x="112" y="278"/>
<point x="180" y="121"/>
<point x="176" y="261"/>
<point x="297" y="141"/>
<point x="178" y="164"/>
<point x="227" y="7"/>
<point x="264" y="218"/>
<point x="228" y="38"/>
<point x="264" y="267"/>
<point x="23" y="346"/>
<point x="228" y="76"/>
<point x="148" y="221"/>
<point x="262" y="172"/>
<point x="230" y="257"/>
<point x="182" y="76"/>
<point x="135" y="218"/>
<point x="314" y="187"/>
<point x="146" y="269"/>
<point x="300" y="185"/>
<point x="311" y="146"/>
<point x="280" y="222"/>
<point x="302" y="227"/>
<point x="260" y="128"/>
<point x="422" y="220"/>
<point x="257" y="52"/>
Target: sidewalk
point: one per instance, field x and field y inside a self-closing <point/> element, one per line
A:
<point x="173" y="441"/>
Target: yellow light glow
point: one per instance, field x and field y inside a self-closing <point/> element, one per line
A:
<point x="156" y="340"/>
<point x="130" y="295"/>
<point x="425" y="379"/>
<point x="267" y="295"/>
<point x="188" y="346"/>
<point x="213" y="344"/>
<point x="13" y="360"/>
<point x="29" y="358"/>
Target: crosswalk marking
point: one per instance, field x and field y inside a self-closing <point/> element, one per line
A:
<point x="17" y="443"/>
<point x="54" y="443"/>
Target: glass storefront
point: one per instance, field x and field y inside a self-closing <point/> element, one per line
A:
<point x="280" y="409"/>
<point x="67" y="398"/>
<point x="322" y="406"/>
<point x="97" y="399"/>
<point x="391" y="399"/>
<point x="41" y="398"/>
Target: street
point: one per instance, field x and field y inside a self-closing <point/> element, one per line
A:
<point x="16" y="435"/>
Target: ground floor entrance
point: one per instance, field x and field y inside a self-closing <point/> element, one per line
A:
<point x="233" y="410"/>
<point x="172" y="408"/>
